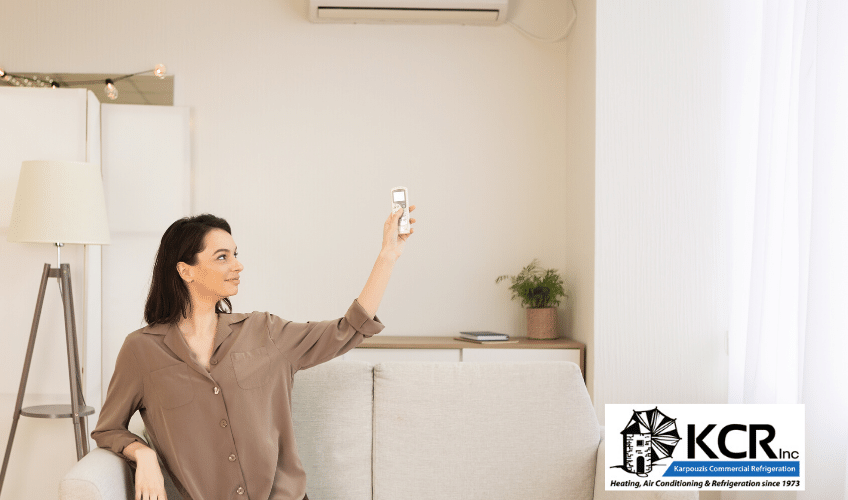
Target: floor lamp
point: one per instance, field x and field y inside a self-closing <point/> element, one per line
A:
<point x="58" y="202"/>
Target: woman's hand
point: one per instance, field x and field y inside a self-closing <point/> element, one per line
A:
<point x="393" y="242"/>
<point x="149" y="482"/>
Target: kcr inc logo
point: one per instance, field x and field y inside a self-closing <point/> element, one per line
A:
<point x="649" y="436"/>
<point x="761" y="434"/>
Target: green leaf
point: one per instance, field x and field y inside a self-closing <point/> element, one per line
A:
<point x="536" y="287"/>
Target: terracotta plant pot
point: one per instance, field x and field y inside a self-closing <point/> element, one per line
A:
<point x="542" y="323"/>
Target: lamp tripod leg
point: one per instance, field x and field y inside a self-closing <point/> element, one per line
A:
<point x="22" y="388"/>
<point x="77" y="400"/>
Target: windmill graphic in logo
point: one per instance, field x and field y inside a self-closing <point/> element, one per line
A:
<point x="649" y="437"/>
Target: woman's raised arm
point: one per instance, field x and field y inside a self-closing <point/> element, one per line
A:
<point x="393" y="245"/>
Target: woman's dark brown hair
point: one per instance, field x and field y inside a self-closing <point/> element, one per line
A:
<point x="169" y="299"/>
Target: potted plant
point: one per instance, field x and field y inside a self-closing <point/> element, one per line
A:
<point x="539" y="290"/>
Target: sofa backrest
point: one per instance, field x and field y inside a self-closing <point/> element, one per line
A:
<point x="332" y="410"/>
<point x="445" y="430"/>
<point x="483" y="431"/>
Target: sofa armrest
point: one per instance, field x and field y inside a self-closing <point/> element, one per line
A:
<point x="100" y="475"/>
<point x="602" y="494"/>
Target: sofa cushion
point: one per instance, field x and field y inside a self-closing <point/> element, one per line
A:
<point x="483" y="431"/>
<point x="332" y="416"/>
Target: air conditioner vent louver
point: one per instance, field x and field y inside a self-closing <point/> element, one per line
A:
<point x="490" y="12"/>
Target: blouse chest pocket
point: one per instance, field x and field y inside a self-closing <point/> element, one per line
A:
<point x="253" y="368"/>
<point x="173" y="386"/>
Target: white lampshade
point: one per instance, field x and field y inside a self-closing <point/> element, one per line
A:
<point x="59" y="202"/>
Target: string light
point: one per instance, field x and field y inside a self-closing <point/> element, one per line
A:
<point x="111" y="91"/>
<point x="110" y="88"/>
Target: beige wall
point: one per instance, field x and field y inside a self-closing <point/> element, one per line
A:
<point x="299" y="131"/>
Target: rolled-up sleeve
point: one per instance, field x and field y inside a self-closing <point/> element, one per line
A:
<point x="312" y="343"/>
<point x="123" y="399"/>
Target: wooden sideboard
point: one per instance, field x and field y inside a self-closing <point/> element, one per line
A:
<point x="381" y="348"/>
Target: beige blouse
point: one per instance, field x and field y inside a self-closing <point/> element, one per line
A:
<point x="227" y="432"/>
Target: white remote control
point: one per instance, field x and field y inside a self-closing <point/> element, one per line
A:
<point x="400" y="201"/>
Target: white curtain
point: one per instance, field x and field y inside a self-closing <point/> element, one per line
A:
<point x="786" y="123"/>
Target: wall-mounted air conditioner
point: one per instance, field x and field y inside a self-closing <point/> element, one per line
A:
<point x="485" y="12"/>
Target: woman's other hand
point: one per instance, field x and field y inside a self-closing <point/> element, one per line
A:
<point x="393" y="243"/>
<point x="149" y="482"/>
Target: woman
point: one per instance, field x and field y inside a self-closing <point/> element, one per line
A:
<point x="214" y="387"/>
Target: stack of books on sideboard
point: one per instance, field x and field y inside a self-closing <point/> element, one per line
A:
<point x="485" y="338"/>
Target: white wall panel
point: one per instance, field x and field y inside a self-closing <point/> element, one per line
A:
<point x="146" y="151"/>
<point x="38" y="124"/>
<point x="578" y="234"/>
<point x="92" y="321"/>
<point x="660" y="257"/>
<point x="147" y="165"/>
<point x="43" y="124"/>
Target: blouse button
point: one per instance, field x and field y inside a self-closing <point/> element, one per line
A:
<point x="217" y="390"/>
<point x="240" y="490"/>
<point x="223" y="423"/>
<point x="233" y="457"/>
<point x="214" y="361"/>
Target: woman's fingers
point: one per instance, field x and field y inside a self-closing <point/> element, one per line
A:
<point x="146" y="495"/>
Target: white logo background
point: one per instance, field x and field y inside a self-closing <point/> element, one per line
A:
<point x="787" y="444"/>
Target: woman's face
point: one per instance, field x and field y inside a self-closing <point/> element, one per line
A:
<point x="213" y="278"/>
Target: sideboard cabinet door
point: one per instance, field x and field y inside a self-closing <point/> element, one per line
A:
<point x="520" y="355"/>
<point x="385" y="355"/>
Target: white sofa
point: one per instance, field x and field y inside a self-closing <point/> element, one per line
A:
<point x="407" y="431"/>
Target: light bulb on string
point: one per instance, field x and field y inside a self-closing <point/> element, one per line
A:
<point x="111" y="90"/>
<point x="37" y="81"/>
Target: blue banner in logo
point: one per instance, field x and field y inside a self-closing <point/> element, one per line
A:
<point x="733" y="468"/>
